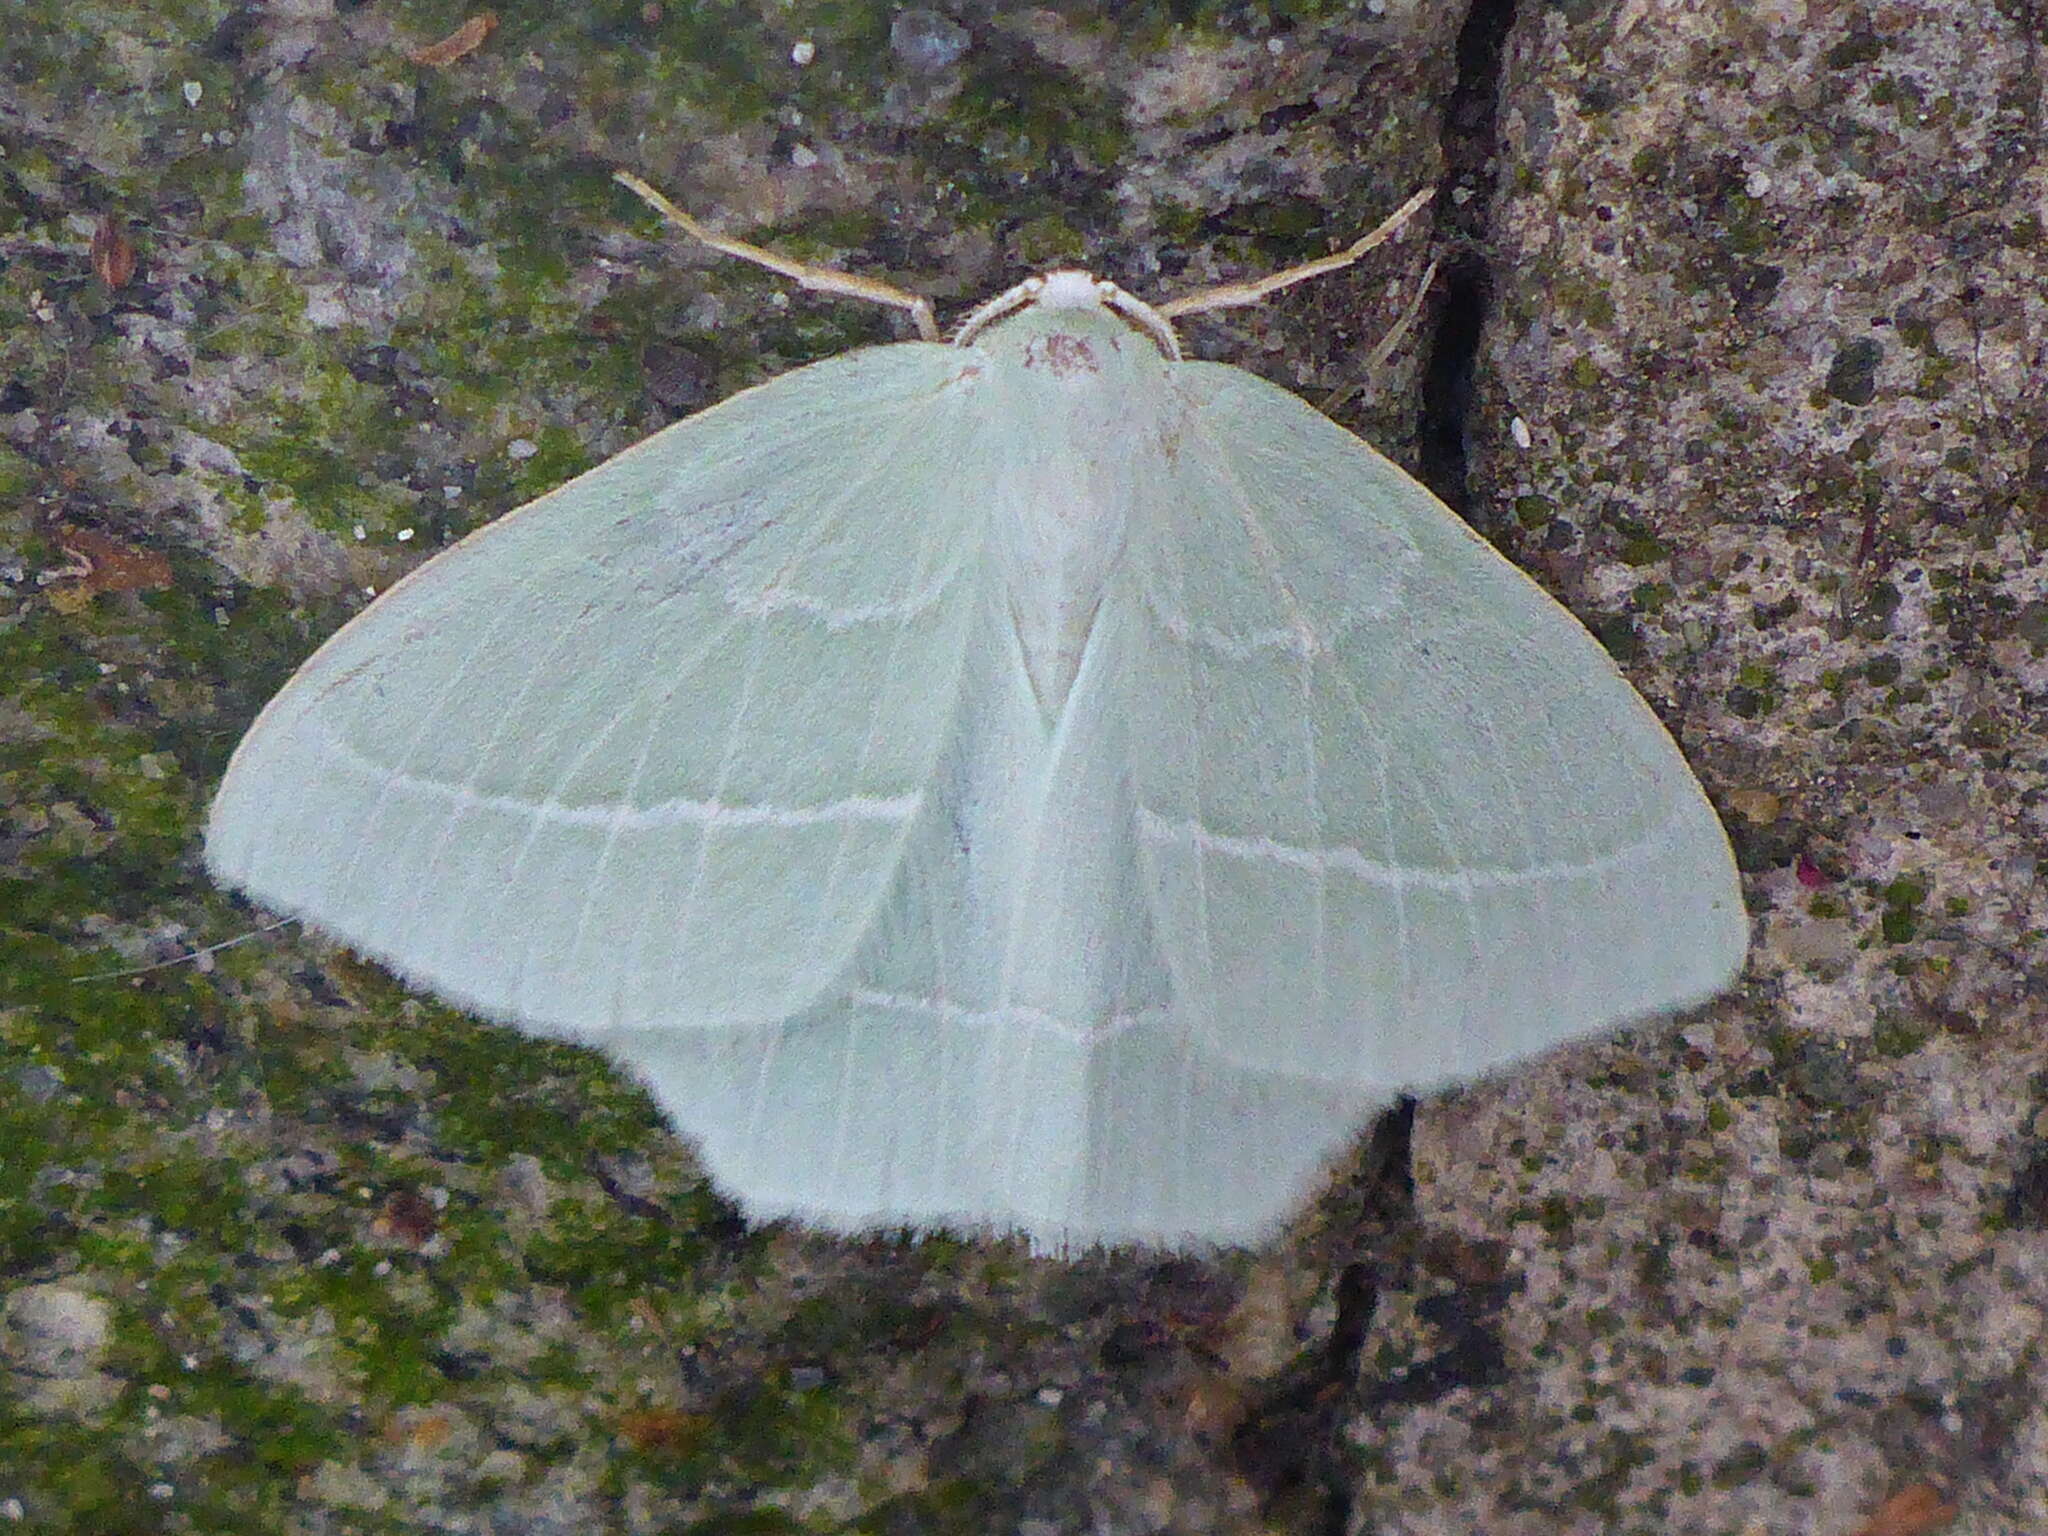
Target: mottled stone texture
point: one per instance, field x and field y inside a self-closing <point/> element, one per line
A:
<point x="1769" y="299"/>
<point x="1737" y="344"/>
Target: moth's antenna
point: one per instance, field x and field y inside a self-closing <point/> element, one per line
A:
<point x="1231" y="295"/>
<point x="817" y="279"/>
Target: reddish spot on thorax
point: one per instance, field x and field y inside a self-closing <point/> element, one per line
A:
<point x="1061" y="356"/>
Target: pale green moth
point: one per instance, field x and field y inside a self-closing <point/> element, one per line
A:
<point x="1033" y="782"/>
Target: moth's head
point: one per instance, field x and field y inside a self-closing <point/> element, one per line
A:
<point x="1071" y="296"/>
<point x="1071" y="288"/>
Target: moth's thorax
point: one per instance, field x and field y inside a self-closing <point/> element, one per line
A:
<point x="1076" y="400"/>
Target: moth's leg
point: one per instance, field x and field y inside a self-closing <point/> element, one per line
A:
<point x="1377" y="358"/>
